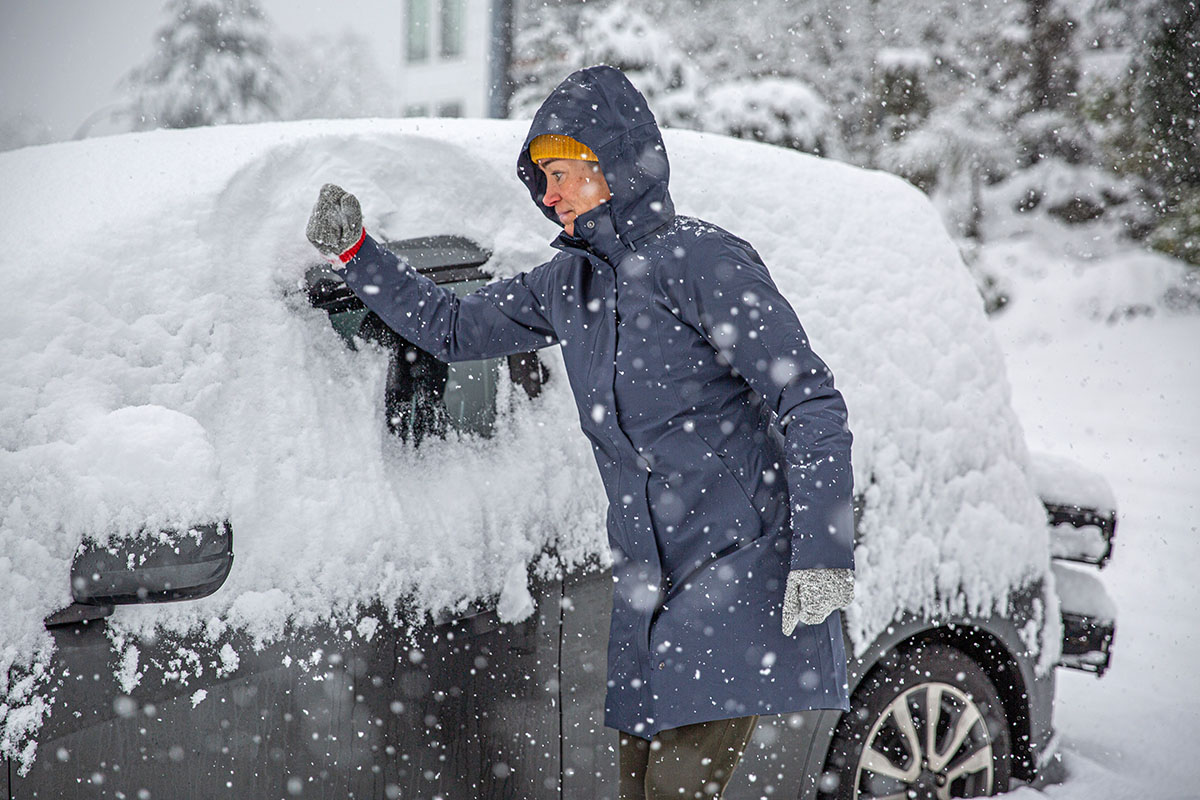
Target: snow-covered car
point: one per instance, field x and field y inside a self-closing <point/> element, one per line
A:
<point x="420" y="599"/>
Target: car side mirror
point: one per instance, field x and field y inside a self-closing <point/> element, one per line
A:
<point x="152" y="568"/>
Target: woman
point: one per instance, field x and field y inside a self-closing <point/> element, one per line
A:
<point x="720" y="437"/>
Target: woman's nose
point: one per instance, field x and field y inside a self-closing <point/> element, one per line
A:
<point x="550" y="197"/>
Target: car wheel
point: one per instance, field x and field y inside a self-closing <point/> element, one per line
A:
<point x="926" y="723"/>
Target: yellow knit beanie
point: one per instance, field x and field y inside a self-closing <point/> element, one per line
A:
<point x="552" y="145"/>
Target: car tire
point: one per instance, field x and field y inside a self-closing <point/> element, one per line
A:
<point x="885" y="746"/>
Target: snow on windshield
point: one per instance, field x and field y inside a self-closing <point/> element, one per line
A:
<point x="161" y="368"/>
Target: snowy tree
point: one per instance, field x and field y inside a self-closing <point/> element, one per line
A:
<point x="1178" y="233"/>
<point x="1058" y="122"/>
<point x="544" y="52"/>
<point x="782" y="111"/>
<point x="622" y="35"/>
<point x="559" y="40"/>
<point x="1044" y="72"/>
<point x="1028" y="97"/>
<point x="950" y="156"/>
<point x="1050" y="59"/>
<point x="334" y="79"/>
<point x="213" y="65"/>
<point x="1167" y="111"/>
<point x="1108" y="25"/>
<point x="1168" y="95"/>
<point x="902" y="99"/>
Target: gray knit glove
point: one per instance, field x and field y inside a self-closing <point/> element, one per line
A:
<point x="813" y="594"/>
<point x="336" y="222"/>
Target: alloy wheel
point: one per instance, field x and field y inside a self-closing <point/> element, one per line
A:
<point x="930" y="742"/>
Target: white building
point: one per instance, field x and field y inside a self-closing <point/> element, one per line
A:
<point x="454" y="58"/>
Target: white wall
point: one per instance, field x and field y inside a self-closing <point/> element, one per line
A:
<point x="437" y="82"/>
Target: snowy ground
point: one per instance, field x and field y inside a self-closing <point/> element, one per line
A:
<point x="1123" y="398"/>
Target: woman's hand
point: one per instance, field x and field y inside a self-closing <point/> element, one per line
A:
<point x="335" y="225"/>
<point x="813" y="594"/>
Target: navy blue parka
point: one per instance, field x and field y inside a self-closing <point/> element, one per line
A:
<point x="721" y="441"/>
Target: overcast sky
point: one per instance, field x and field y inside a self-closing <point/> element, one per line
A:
<point x="61" y="60"/>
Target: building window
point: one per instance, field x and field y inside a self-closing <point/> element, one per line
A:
<point x="416" y="110"/>
<point x="418" y="30"/>
<point x="454" y="20"/>
<point x="450" y="109"/>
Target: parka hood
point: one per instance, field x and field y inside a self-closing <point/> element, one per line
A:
<point x="599" y="107"/>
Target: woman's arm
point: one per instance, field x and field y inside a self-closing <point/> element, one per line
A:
<point x="502" y="318"/>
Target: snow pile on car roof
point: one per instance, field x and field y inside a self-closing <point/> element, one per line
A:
<point x="160" y="365"/>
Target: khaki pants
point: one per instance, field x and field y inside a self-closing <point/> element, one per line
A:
<point x="695" y="761"/>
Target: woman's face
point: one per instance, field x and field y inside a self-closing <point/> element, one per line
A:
<point x="573" y="187"/>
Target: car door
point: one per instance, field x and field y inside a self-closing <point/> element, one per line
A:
<point x="459" y="707"/>
<point x="589" y="749"/>
<point x="464" y="708"/>
<point x="774" y="761"/>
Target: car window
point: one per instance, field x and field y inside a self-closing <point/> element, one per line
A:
<point x="470" y="395"/>
<point x="423" y="396"/>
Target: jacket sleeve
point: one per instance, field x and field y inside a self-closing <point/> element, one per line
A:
<point x="502" y="318"/>
<point x="730" y="298"/>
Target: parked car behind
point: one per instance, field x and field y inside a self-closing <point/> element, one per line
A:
<point x="420" y="598"/>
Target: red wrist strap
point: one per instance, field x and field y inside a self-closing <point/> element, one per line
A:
<point x="349" y="254"/>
